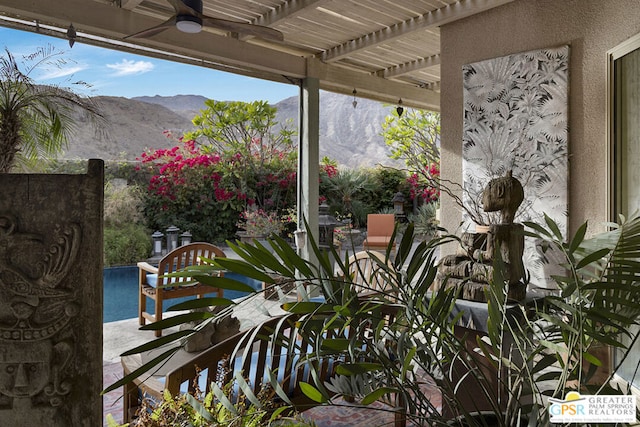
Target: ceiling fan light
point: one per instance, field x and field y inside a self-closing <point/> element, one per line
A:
<point x="189" y="24"/>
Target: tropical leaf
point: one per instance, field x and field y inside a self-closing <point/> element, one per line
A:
<point x="144" y="369"/>
<point x="357" y="368"/>
<point x="200" y="303"/>
<point x="223" y="398"/>
<point x="377" y="394"/>
<point x="200" y="409"/>
<point x="159" y="342"/>
<point x="180" y="319"/>
<point x="312" y="393"/>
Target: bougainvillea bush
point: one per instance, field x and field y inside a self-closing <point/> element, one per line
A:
<point x="232" y="162"/>
<point x="422" y="184"/>
<point x="262" y="152"/>
<point x="188" y="191"/>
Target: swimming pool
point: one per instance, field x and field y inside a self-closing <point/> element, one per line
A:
<point x="121" y="293"/>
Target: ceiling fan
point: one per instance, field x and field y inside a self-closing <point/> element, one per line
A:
<point x="189" y="19"/>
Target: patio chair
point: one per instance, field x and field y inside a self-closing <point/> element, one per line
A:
<point x="367" y="274"/>
<point x="379" y="230"/>
<point x="159" y="288"/>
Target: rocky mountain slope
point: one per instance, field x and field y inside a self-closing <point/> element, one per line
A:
<point x="349" y="135"/>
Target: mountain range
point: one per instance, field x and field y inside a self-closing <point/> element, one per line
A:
<point x="349" y="135"/>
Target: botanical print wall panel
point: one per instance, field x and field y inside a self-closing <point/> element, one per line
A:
<point x="516" y="118"/>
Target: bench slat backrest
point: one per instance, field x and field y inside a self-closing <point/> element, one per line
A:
<point x="185" y="256"/>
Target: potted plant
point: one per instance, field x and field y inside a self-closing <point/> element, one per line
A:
<point x="528" y="354"/>
<point x="425" y="220"/>
<point x="259" y="224"/>
<point x="508" y="370"/>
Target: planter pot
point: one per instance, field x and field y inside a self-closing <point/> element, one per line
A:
<point x="260" y="239"/>
<point x="245" y="238"/>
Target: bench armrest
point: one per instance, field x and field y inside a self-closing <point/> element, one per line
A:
<point x="147" y="267"/>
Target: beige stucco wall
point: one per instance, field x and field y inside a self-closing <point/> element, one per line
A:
<point x="590" y="28"/>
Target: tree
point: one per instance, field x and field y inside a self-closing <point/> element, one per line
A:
<point x="415" y="139"/>
<point x="236" y="160"/>
<point x="263" y="149"/>
<point x="35" y="120"/>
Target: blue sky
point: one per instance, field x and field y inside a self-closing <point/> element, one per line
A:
<point x="115" y="73"/>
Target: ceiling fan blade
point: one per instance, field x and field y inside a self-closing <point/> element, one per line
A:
<point x="169" y="23"/>
<point x="242" y="28"/>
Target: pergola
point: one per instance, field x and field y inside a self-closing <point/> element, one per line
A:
<point x="385" y="50"/>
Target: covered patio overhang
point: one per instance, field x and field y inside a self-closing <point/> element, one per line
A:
<point x="388" y="51"/>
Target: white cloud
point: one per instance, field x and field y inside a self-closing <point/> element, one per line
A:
<point x="60" y="72"/>
<point x="127" y="67"/>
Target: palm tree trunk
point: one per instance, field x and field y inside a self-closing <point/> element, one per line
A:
<point x="9" y="141"/>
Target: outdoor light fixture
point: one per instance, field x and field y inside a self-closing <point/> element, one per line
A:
<point x="300" y="238"/>
<point x="185" y="238"/>
<point x="354" y="103"/>
<point x="157" y="243"/>
<point x="326" y="226"/>
<point x="172" y="238"/>
<point x="400" y="108"/>
<point x="398" y="207"/>
<point x="188" y="24"/>
<point x="71" y="35"/>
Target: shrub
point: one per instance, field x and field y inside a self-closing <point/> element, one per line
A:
<point x="424" y="219"/>
<point x="215" y="409"/>
<point x="205" y="192"/>
<point x="122" y="204"/>
<point x="126" y="245"/>
<point x="256" y="222"/>
<point x="387" y="182"/>
<point x="126" y="239"/>
<point x="423" y="184"/>
<point x="344" y="190"/>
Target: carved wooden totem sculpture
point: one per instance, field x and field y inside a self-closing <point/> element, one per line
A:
<point x="51" y="299"/>
<point x="472" y="266"/>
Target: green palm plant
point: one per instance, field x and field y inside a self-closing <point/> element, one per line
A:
<point x="35" y="120"/>
<point x="424" y="220"/>
<point x="345" y="191"/>
<point x="528" y="352"/>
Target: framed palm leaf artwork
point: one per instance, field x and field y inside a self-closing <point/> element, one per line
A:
<point x="516" y="118"/>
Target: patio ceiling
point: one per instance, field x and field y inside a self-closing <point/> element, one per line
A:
<point x="384" y="49"/>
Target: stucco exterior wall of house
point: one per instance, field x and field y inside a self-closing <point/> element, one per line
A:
<point x="590" y="28"/>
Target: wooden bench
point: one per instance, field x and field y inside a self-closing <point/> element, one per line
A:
<point x="275" y="346"/>
<point x="152" y="284"/>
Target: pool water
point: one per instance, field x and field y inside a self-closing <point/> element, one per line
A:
<point x="121" y="293"/>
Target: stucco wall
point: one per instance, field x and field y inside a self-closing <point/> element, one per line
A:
<point x="590" y="28"/>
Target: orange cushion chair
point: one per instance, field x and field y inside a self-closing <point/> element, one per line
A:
<point x="379" y="230"/>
